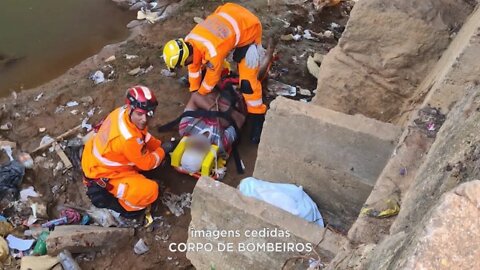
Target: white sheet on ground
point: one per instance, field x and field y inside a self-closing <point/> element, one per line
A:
<point x="288" y="197"/>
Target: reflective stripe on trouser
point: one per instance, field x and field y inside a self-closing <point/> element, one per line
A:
<point x="134" y="192"/>
<point x="253" y="100"/>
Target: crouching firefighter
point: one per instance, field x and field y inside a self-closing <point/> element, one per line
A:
<point x="122" y="147"/>
<point x="230" y="27"/>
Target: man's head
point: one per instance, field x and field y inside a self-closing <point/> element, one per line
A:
<point x="177" y="53"/>
<point x="142" y="104"/>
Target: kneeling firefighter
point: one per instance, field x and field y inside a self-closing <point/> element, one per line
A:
<point x="230" y="27"/>
<point x="121" y="148"/>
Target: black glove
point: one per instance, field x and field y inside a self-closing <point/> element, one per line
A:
<point x="168" y="147"/>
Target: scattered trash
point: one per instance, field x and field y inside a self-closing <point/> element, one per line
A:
<point x="98" y="77"/>
<point x="11" y="175"/>
<point x="72" y="215"/>
<point x="430" y="120"/>
<point x="41" y="245"/>
<point x="110" y="59"/>
<point x="390" y="208"/>
<point x="72" y="104"/>
<point x="290" y="37"/>
<point x="150" y="16"/>
<point x="55" y="222"/>
<point x="102" y="216"/>
<point x="176" y="203"/>
<point x="6" y="126"/>
<point x="140" y="71"/>
<point x="288" y="197"/>
<point x="18" y="243"/>
<point x="276" y="88"/>
<point x="403" y="171"/>
<point x="130" y="56"/>
<point x="86" y="126"/>
<point x="140" y="247"/>
<point x="42" y="129"/>
<point x="37" y="98"/>
<point x="167" y="73"/>
<point x="28" y="192"/>
<point x="67" y="261"/>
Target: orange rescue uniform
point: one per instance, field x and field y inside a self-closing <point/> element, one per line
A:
<point x="230" y="26"/>
<point x="117" y="152"/>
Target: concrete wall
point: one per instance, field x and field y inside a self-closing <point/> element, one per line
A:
<point x="387" y="49"/>
<point x="335" y="157"/>
<point x="219" y="207"/>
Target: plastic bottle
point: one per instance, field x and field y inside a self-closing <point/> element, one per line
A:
<point x="67" y="261"/>
<point x="55" y="222"/>
<point x="41" y="245"/>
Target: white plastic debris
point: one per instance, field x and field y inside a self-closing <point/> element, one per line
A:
<point x="297" y="37"/>
<point x="42" y="129"/>
<point x="176" y="203"/>
<point x="37" y="98"/>
<point x="277" y="88"/>
<point x="91" y="112"/>
<point x="167" y="73"/>
<point x="72" y="104"/>
<point x="28" y="192"/>
<point x="148" y="69"/>
<point x="334" y="25"/>
<point x="18" y="243"/>
<point x="102" y="216"/>
<point x="74" y="112"/>
<point x="97" y="77"/>
<point x="140" y="247"/>
<point x="86" y="126"/>
<point x="130" y="56"/>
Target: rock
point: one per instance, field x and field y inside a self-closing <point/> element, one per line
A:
<point x="86" y="101"/>
<point x="373" y="54"/>
<point x="79" y="238"/>
<point x="134" y="23"/>
<point x="110" y="59"/>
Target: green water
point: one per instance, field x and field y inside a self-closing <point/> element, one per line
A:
<point x="47" y="37"/>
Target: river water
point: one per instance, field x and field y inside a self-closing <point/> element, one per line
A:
<point x="41" y="39"/>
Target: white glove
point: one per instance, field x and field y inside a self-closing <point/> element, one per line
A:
<point x="252" y="57"/>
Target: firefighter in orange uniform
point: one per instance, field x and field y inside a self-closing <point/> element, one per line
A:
<point x="230" y="27"/>
<point x="122" y="147"/>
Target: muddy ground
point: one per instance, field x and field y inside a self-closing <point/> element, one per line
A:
<point x="27" y="116"/>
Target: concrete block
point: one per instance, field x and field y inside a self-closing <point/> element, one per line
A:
<point x="335" y="157"/>
<point x="79" y="238"/>
<point x="376" y="72"/>
<point x="217" y="207"/>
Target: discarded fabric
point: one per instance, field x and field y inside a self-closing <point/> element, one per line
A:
<point x="288" y="197"/>
<point x="28" y="192"/>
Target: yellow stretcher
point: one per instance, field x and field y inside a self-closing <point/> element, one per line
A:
<point x="212" y="164"/>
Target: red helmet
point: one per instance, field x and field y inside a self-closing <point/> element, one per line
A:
<point x="141" y="98"/>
